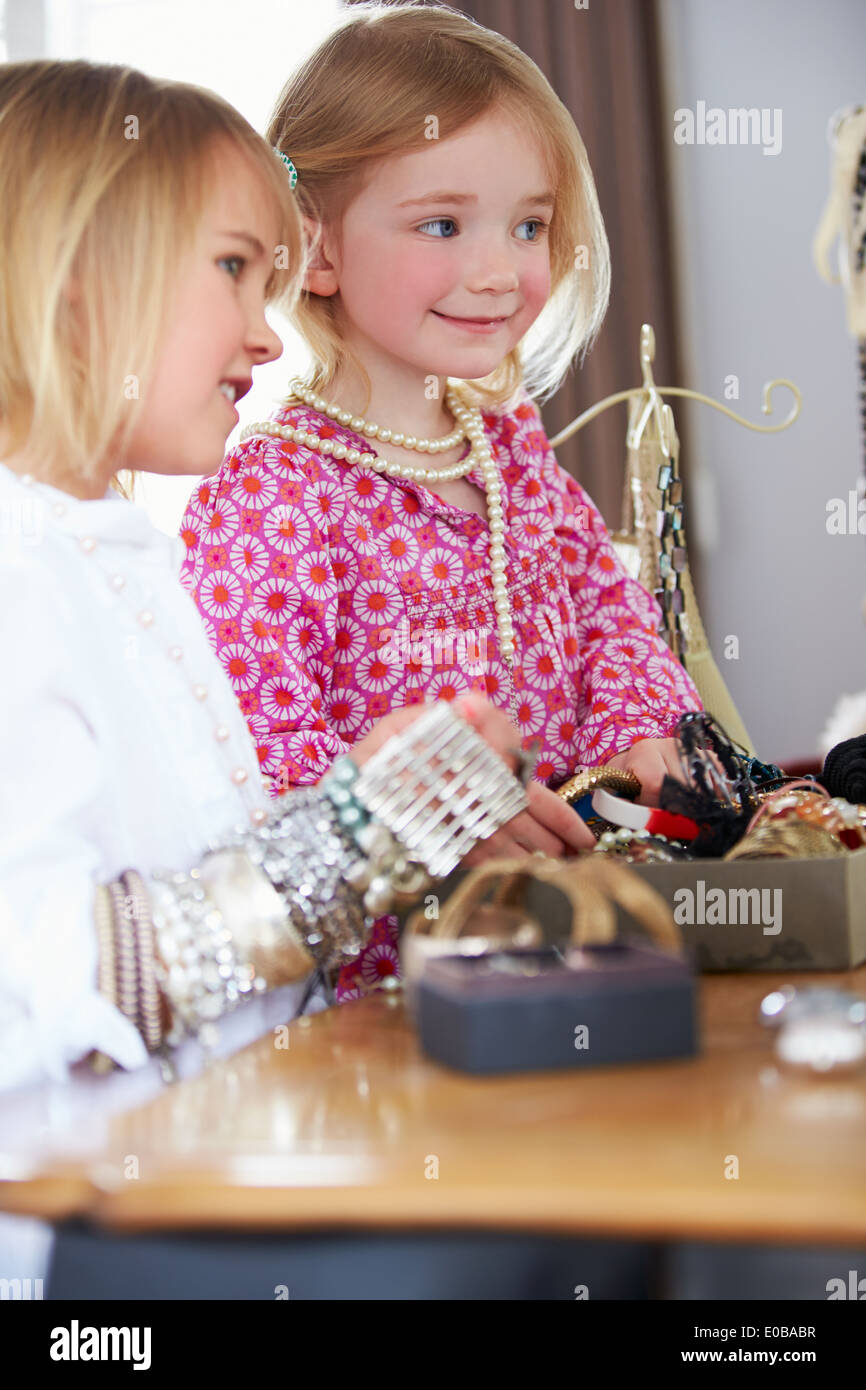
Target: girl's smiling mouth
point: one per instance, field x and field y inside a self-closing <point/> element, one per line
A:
<point x="477" y="325"/>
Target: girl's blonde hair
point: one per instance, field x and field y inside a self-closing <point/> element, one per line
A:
<point x="105" y="176"/>
<point x="368" y="93"/>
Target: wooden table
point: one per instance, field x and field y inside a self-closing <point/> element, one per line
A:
<point x="350" y="1127"/>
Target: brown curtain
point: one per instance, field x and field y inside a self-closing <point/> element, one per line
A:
<point x="603" y="64"/>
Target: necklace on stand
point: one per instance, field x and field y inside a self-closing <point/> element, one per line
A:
<point x="469" y="426"/>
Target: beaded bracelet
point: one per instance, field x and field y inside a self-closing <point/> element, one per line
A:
<point x="127" y="976"/>
<point x="125" y="955"/>
<point x="149" y="1007"/>
<point x="439" y="788"/>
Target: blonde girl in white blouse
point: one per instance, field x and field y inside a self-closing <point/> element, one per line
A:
<point x="138" y="229"/>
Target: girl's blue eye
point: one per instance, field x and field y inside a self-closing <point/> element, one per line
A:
<point x="238" y="261"/>
<point x="536" y="222"/>
<point x="437" y="222"/>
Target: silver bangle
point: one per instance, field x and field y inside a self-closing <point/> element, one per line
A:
<point x="437" y="788"/>
<point x="307" y="857"/>
<point x="198" y="967"/>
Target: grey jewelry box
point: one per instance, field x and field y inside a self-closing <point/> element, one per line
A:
<point x="529" y="1010"/>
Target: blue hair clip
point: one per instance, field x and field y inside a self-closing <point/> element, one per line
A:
<point x="293" y="173"/>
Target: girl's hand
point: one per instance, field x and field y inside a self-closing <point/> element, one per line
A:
<point x="548" y="824"/>
<point x="649" y="759"/>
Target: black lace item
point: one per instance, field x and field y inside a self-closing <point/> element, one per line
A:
<point x="721" y="825"/>
<point x="723" y="784"/>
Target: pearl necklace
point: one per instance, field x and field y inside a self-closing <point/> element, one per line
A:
<point x="89" y="546"/>
<point x="471" y="428"/>
<point x="413" y="472"/>
<point x="358" y="425"/>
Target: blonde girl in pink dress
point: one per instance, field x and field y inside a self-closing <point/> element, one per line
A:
<point x="400" y="530"/>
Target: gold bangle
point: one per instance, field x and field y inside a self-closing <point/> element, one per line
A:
<point x="787" y="839"/>
<point x="589" y="779"/>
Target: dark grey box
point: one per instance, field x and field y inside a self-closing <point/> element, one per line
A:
<point x="529" y="1010"/>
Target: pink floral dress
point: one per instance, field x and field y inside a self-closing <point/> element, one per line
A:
<point x="333" y="594"/>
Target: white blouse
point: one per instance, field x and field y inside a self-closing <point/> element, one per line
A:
<point x="122" y="745"/>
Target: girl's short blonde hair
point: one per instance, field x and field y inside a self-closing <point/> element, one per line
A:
<point x="368" y="92"/>
<point x="105" y="175"/>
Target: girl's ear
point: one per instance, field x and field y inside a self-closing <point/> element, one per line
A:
<point x="321" y="275"/>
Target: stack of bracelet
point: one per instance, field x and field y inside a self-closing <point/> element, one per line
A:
<point x="270" y="884"/>
<point x="127" y="973"/>
<point x="267" y="906"/>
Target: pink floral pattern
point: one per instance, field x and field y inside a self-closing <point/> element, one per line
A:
<point x="334" y="595"/>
